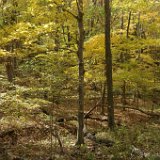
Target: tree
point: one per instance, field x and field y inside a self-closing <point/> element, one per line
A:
<point x="80" y="134"/>
<point x="11" y="60"/>
<point x="108" y="66"/>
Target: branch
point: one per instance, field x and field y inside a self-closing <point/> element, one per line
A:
<point x="75" y="16"/>
<point x="78" y="7"/>
<point x="55" y="134"/>
<point x="92" y="109"/>
<point x="65" y="10"/>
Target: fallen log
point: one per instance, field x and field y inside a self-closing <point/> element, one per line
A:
<point x="152" y="114"/>
<point x="98" y="118"/>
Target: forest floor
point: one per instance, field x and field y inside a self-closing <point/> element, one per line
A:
<point x="35" y="129"/>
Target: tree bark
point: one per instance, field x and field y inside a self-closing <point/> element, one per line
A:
<point x="80" y="134"/>
<point x="10" y="70"/>
<point x="11" y="64"/>
<point x="103" y="99"/>
<point x="122" y="20"/>
<point x="124" y="94"/>
<point x="108" y="66"/>
<point x="129" y="21"/>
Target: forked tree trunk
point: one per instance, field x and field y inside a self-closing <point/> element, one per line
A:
<point x="108" y="66"/>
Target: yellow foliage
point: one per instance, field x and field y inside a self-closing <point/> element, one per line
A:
<point x="4" y="53"/>
<point x="94" y="46"/>
<point x="147" y="58"/>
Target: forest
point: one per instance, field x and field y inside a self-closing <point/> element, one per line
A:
<point x="79" y="80"/>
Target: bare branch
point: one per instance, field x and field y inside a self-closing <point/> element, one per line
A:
<point x="65" y="10"/>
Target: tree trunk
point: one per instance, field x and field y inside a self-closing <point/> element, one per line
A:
<point x="103" y="99"/>
<point x="68" y="36"/>
<point x="138" y="26"/>
<point x="124" y="94"/>
<point x="101" y="3"/>
<point x="10" y="69"/>
<point x="11" y="62"/>
<point x="129" y="21"/>
<point x="56" y="40"/>
<point x="122" y="20"/>
<point x="108" y="66"/>
<point x="80" y="134"/>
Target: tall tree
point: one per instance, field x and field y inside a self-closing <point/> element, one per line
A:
<point x="80" y="134"/>
<point x="108" y="67"/>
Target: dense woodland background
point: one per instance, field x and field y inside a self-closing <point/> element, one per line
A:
<point x="41" y="75"/>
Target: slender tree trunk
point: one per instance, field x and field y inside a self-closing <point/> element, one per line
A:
<point x="11" y="64"/>
<point x="80" y="134"/>
<point x="129" y="21"/>
<point x="103" y="99"/>
<point x="124" y="94"/>
<point x="108" y="67"/>
<point x="92" y="20"/>
<point x="122" y="20"/>
<point x="57" y="34"/>
<point x="68" y="36"/>
<point x="56" y="40"/>
<point x="101" y="3"/>
<point x="10" y="69"/>
<point x="138" y="26"/>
